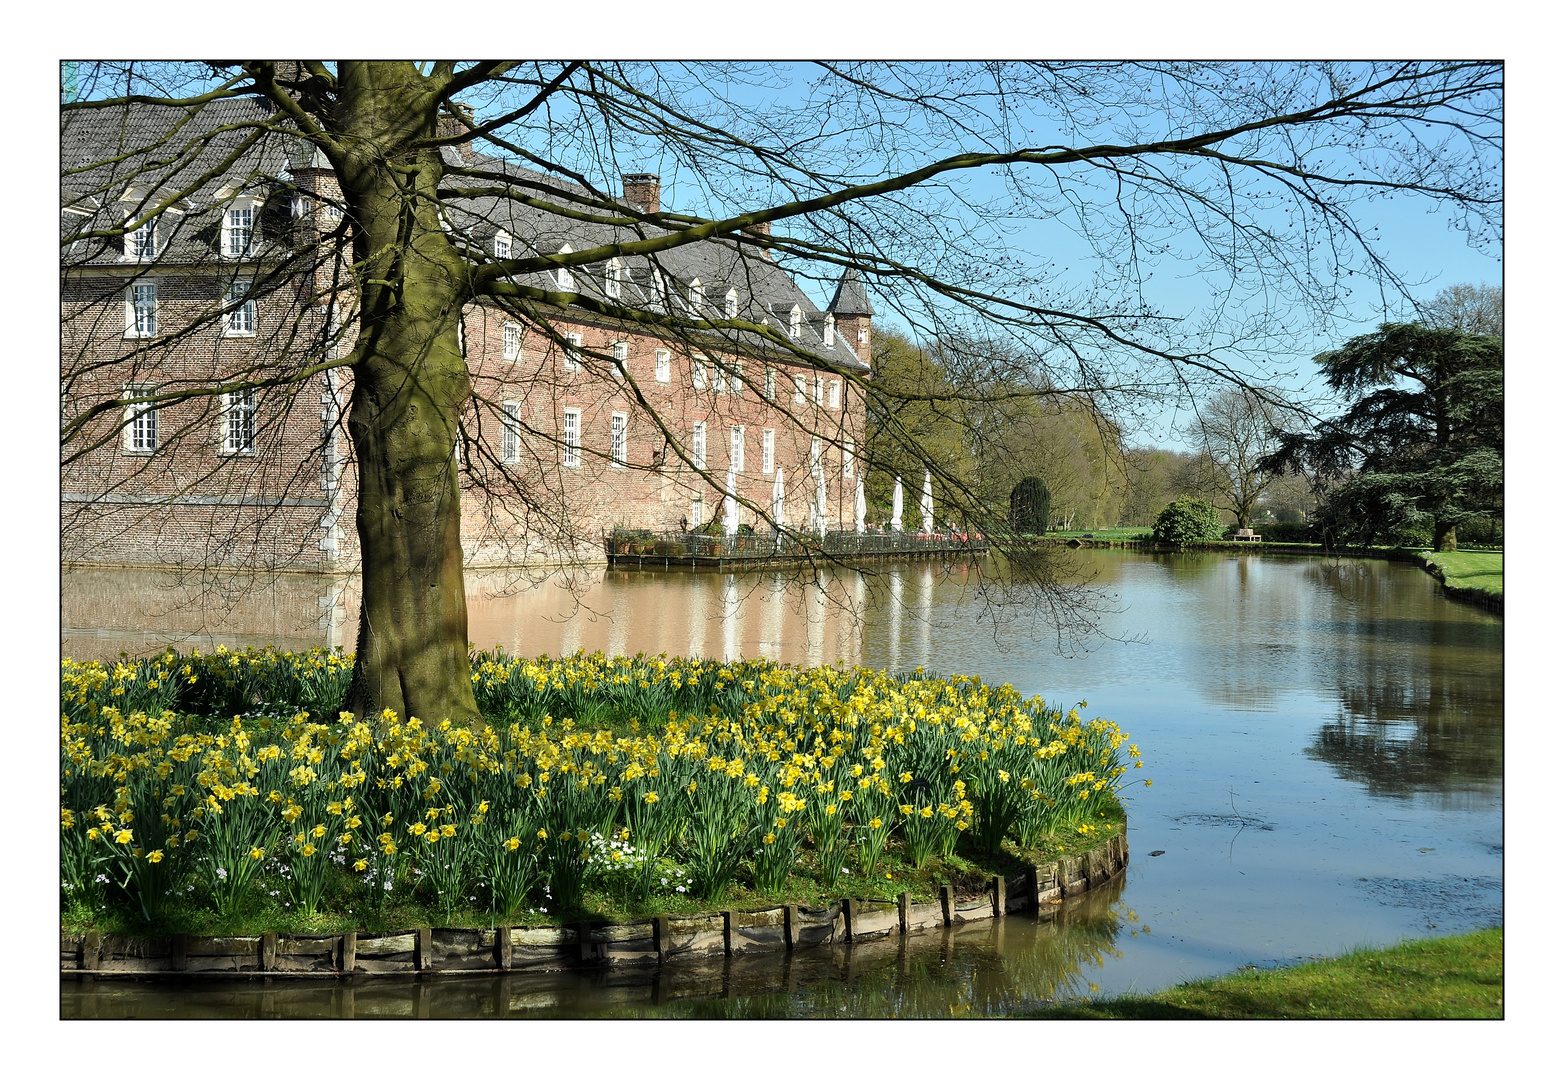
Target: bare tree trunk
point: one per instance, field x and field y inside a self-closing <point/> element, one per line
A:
<point x="410" y="381"/>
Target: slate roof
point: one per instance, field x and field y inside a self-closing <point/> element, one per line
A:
<point x="850" y="298"/>
<point x="190" y="234"/>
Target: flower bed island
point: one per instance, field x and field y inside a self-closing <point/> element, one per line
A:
<point x="201" y="796"/>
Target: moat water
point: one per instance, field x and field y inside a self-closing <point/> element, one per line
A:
<point x="1325" y="740"/>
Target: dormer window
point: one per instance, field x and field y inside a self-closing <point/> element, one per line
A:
<point x="141" y="243"/>
<point x="830" y="331"/>
<point x="563" y="276"/>
<point x="613" y="279"/>
<point x="795" y="322"/>
<point x="730" y="304"/>
<point x="697" y="293"/>
<point x="238" y="230"/>
<point x="502" y="245"/>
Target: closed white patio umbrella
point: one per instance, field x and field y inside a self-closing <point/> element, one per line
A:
<point x="860" y="507"/>
<point x="820" y="509"/>
<point x="778" y="506"/>
<point x="730" y="508"/>
<point x="927" y="505"/>
<point x="896" y="506"/>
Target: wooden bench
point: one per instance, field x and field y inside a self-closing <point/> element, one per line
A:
<point x="1247" y="534"/>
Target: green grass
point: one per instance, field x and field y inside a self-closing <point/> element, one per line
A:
<point x="1436" y="978"/>
<point x="1479" y="570"/>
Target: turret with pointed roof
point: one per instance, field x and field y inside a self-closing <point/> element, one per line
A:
<point x="852" y="311"/>
<point x="850" y="298"/>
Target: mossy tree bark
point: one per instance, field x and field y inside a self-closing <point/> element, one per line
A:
<point x="410" y="380"/>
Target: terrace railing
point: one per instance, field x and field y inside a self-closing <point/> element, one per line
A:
<point x="685" y="547"/>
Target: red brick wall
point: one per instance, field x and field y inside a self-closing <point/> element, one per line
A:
<point x="274" y="508"/>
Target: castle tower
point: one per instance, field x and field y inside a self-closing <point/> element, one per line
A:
<point x="853" y="313"/>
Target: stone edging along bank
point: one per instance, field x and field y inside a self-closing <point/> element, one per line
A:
<point x="435" y="951"/>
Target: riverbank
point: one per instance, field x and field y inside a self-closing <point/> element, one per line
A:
<point x="1476" y="577"/>
<point x="1453" y="978"/>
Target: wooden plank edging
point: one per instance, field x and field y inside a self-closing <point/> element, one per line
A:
<point x="433" y="951"/>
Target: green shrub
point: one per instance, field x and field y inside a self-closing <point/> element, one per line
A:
<point x="1030" y="506"/>
<point x="1188" y="520"/>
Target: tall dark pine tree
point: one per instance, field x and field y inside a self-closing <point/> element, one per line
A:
<point x="1421" y="443"/>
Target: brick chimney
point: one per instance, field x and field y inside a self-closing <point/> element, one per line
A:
<point x="763" y="229"/>
<point x="449" y="125"/>
<point x="644" y="192"/>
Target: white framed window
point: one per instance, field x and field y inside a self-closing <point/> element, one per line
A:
<point x="698" y="374"/>
<point x="510" y="432"/>
<point x="502" y="245"/>
<point x="141" y="310"/>
<point x="830" y="330"/>
<point x="814" y="454"/>
<point x="697" y="294"/>
<point x="719" y="377"/>
<point x="140" y="435"/>
<point x="239" y="230"/>
<point x="613" y="279"/>
<point x="240" y="321"/>
<point x="798" y="389"/>
<point x="730" y="304"/>
<point x="768" y="451"/>
<point x="239" y="422"/>
<point x="510" y="341"/>
<point x="697" y="511"/>
<point x="736" y="447"/>
<point x="819" y="390"/>
<point x="141" y="243"/>
<point x="572" y="352"/>
<point x="847" y="460"/>
<point x="621" y="358"/>
<point x="564" y="277"/>
<point x="572" y="438"/>
<point x="618" y="439"/>
<point x="698" y="444"/>
<point x="795" y="321"/>
<point x="664" y="372"/>
<point x="736" y="378"/>
<point x="771" y="384"/>
<point x="834" y="397"/>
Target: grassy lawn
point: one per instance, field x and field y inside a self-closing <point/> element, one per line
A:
<point x="1482" y="570"/>
<point x="1437" y="978"/>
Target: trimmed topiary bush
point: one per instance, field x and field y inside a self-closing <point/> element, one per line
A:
<point x="1030" y="506"/>
<point x="1188" y="520"/>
